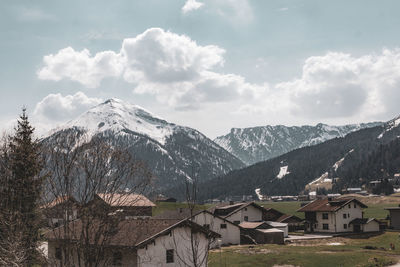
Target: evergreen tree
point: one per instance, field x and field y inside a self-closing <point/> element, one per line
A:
<point x="23" y="188"/>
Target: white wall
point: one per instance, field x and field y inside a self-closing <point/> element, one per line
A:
<point x="372" y="226"/>
<point x="253" y="214"/>
<point x="336" y="221"/>
<point x="229" y="235"/>
<point x="179" y="241"/>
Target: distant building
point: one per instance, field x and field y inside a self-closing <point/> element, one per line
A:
<point x="337" y="216"/>
<point x="260" y="233"/>
<point x="128" y="205"/>
<point x="394" y="217"/>
<point x="60" y="210"/>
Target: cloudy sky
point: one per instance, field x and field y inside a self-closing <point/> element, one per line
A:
<point x="208" y="64"/>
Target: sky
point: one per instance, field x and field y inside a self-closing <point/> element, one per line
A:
<point x="208" y="64"/>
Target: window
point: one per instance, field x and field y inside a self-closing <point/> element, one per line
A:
<point x="325" y="216"/>
<point x="348" y="215"/>
<point x="355" y="205"/>
<point x="245" y="209"/>
<point x="345" y="226"/>
<point x="206" y="226"/>
<point x="223" y="225"/>
<point x="246" y="218"/>
<point x="58" y="253"/>
<point x="344" y="216"/>
<point x="117" y="258"/>
<point x="349" y="206"/>
<point x="325" y="226"/>
<point x="170" y="255"/>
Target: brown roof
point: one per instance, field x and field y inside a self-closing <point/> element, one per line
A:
<point x="286" y="217"/>
<point x="251" y="225"/>
<point x="130" y="233"/>
<point x="59" y="200"/>
<point x="126" y="200"/>
<point x="329" y="205"/>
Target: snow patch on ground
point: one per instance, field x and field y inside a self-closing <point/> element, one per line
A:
<point x="283" y="172"/>
<point x="258" y="193"/>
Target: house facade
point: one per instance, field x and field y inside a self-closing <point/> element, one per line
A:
<point x="230" y="232"/>
<point x="139" y="243"/>
<point x="334" y="215"/>
<point x="242" y="212"/>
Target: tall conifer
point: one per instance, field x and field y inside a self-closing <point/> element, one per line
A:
<point x="25" y="184"/>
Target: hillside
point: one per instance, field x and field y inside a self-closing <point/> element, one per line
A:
<point x="256" y="144"/>
<point x="170" y="151"/>
<point x="344" y="161"/>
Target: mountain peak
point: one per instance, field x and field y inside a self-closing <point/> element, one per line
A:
<point x="121" y="117"/>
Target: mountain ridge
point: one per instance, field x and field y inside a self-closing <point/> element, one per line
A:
<point x="255" y="144"/>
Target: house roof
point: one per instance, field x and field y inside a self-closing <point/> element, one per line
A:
<point x="271" y="230"/>
<point x="126" y="200"/>
<point x="363" y="221"/>
<point x="59" y="200"/>
<point x="232" y="209"/>
<point x="276" y="224"/>
<point x="274" y="211"/>
<point x="130" y="233"/>
<point x="186" y="214"/>
<point x="251" y="225"/>
<point x="329" y="205"/>
<point x="286" y="217"/>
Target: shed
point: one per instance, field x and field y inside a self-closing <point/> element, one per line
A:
<point x="394" y="217"/>
<point x="280" y="226"/>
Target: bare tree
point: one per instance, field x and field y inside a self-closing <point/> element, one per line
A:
<point x="192" y="247"/>
<point x="80" y="170"/>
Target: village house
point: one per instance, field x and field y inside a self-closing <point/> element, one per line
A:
<point x="60" y="210"/>
<point x="337" y="216"/>
<point x="246" y="212"/>
<point x="394" y="217"/>
<point x="230" y="232"/>
<point x="294" y="223"/>
<point x="138" y="243"/>
<point x="260" y="233"/>
<point x="128" y="205"/>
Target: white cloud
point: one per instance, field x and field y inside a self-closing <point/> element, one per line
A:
<point x="338" y="85"/>
<point x="191" y="5"/>
<point x="172" y="67"/>
<point x="80" y="66"/>
<point x="57" y="108"/>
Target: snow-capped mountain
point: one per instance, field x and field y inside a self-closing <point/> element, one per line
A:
<point x="257" y="144"/>
<point x="173" y="153"/>
<point x="351" y="161"/>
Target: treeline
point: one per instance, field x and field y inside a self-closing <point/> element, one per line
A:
<point x="369" y="154"/>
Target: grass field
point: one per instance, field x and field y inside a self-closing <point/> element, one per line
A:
<point x="345" y="252"/>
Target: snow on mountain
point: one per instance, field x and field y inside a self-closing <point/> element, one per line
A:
<point x="256" y="144"/>
<point x="119" y="117"/>
<point x="171" y="152"/>
<point x="283" y="172"/>
<point x="390" y="125"/>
